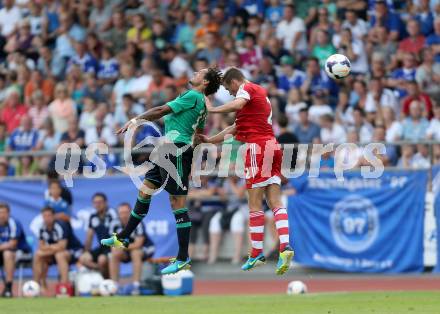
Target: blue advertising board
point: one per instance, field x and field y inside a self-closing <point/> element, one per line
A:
<point x="359" y="225"/>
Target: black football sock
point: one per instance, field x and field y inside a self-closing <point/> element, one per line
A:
<point x="183" y="225"/>
<point x="138" y="213"/>
<point x="8" y="285"/>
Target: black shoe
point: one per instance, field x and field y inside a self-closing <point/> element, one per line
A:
<point x="7" y="293"/>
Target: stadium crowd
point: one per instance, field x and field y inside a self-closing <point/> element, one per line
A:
<point x="75" y="71"/>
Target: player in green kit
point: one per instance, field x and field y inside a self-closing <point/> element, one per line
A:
<point x="184" y="117"/>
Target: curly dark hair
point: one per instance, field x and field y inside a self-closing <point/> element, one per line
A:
<point x="214" y="77"/>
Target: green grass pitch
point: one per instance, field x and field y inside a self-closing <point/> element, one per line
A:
<point x="331" y="303"/>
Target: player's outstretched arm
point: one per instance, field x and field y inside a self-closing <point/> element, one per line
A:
<point x="152" y="114"/>
<point x="219" y="138"/>
<point x="231" y="106"/>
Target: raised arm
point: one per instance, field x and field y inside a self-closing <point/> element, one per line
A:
<point x="231" y="106"/>
<point x="219" y="138"/>
<point x="152" y="114"/>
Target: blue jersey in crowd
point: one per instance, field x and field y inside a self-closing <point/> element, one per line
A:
<point x="60" y="231"/>
<point x="108" y="69"/>
<point x="13" y="230"/>
<point x="23" y="140"/>
<point x="101" y="225"/>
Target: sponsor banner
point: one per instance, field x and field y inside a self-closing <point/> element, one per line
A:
<point x="357" y="224"/>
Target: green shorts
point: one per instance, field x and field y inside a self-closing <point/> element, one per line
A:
<point x="181" y="159"/>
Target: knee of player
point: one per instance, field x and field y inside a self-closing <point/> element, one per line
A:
<point x="116" y="254"/>
<point x="177" y="201"/>
<point x="61" y="255"/>
<point x="136" y="253"/>
<point x="143" y="195"/>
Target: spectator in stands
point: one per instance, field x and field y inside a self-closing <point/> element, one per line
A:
<point x="424" y="16"/>
<point x="139" y="32"/>
<point x="57" y="244"/>
<point x="124" y="85"/>
<point x="355" y="50"/>
<point x="428" y="74"/>
<point x="155" y="95"/>
<point x="13" y="246"/>
<point x="100" y="16"/>
<point x="73" y="134"/>
<point x="82" y="58"/>
<point x="383" y="17"/>
<point x="315" y="80"/>
<point x="100" y="223"/>
<point x="232" y="217"/>
<point x="211" y="50"/>
<point x="129" y="110"/>
<point x="415" y="42"/>
<point x="10" y="16"/>
<point x="108" y="68"/>
<point x="323" y="47"/>
<point x="390" y="156"/>
<point x="358" y="27"/>
<point x="406" y="158"/>
<point x="291" y="77"/>
<point x="186" y="32"/>
<point x="379" y="97"/>
<point x="251" y="53"/>
<point x="140" y="249"/>
<point x="319" y="106"/>
<point x="433" y="131"/>
<point x="38" y="82"/>
<point x="92" y="89"/>
<point x="363" y="128"/>
<point x="401" y="76"/>
<point x="331" y="132"/>
<point x="306" y="131"/>
<point x="415" y="126"/>
<point x="48" y="140"/>
<point x="38" y="110"/>
<point x="433" y="40"/>
<point x="292" y="31"/>
<point x="414" y="93"/>
<point x="116" y="36"/>
<point x="49" y="65"/>
<point x="179" y="68"/>
<point x="100" y="133"/>
<point x="294" y="104"/>
<point x="12" y="111"/>
<point x="25" y="137"/>
<point x="378" y="42"/>
<point x="62" y="109"/>
<point x="421" y="159"/>
<point x="393" y="127"/>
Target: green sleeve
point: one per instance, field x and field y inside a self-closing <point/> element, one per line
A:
<point x="183" y="102"/>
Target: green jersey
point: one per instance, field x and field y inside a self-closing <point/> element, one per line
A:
<point x="188" y="114"/>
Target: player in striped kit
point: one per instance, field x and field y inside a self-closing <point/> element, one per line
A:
<point x="253" y="126"/>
